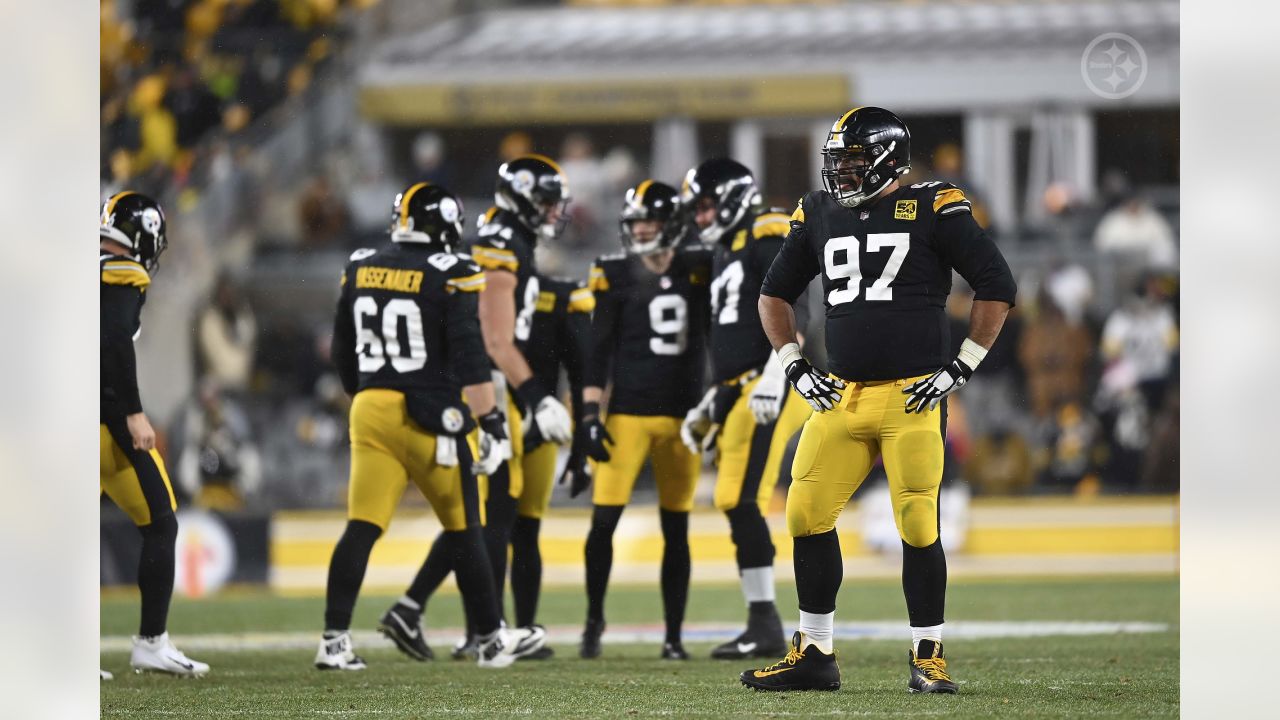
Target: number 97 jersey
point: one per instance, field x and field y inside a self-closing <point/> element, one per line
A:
<point x="886" y="273"/>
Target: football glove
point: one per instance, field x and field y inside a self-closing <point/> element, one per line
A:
<point x="594" y="436"/>
<point x="495" y="447"/>
<point x="927" y="393"/>
<point x="697" y="423"/>
<point x="577" y="472"/>
<point x="821" y="392"/>
<point x="549" y="414"/>
<point x="769" y="393"/>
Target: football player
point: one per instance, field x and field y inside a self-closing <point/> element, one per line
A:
<point x="647" y="343"/>
<point x="131" y="237"/>
<point x="407" y="346"/>
<point x="748" y="413"/>
<point x="885" y="253"/>
<point x="530" y="198"/>
<point x="560" y="329"/>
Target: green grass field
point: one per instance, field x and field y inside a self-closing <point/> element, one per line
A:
<point x="1118" y="675"/>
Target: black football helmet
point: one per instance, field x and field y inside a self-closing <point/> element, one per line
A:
<point x="651" y="200"/>
<point x="531" y="186"/>
<point x="867" y="148"/>
<point x="730" y="185"/>
<point x="426" y="213"/>
<point x="136" y="222"/>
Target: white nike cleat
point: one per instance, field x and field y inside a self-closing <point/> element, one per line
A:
<point x="157" y="654"/>
<point x="338" y="653"/>
<point x="505" y="646"/>
<point x="103" y="674"/>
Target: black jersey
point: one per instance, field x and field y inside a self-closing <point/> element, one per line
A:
<point x="407" y="320"/>
<point x="886" y="273"/>
<point x="561" y="324"/>
<point x="123" y="284"/>
<point x="504" y="243"/>
<point x="738" y="342"/>
<point x="648" y="332"/>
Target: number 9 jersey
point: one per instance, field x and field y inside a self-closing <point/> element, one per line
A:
<point x="886" y="274"/>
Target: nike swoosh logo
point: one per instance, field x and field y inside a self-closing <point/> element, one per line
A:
<point x="411" y="632"/>
<point x="767" y="673"/>
<point x="186" y="665"/>
<point x="745" y="648"/>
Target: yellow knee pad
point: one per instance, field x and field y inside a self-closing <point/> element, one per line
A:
<point x="917" y="518"/>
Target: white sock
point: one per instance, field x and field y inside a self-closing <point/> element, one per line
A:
<point x="757" y="584"/>
<point x="818" y="629"/>
<point x="409" y="602"/>
<point x="932" y="632"/>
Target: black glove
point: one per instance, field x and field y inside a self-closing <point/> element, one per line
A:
<point x="495" y="448"/>
<point x="927" y="393"/>
<point x="723" y="401"/>
<point x="532" y="435"/>
<point x="592" y="434"/>
<point x="494" y="424"/>
<point x="577" y="472"/>
<point x="821" y="392"/>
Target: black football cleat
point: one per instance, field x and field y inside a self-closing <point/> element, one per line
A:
<point x="674" y="651"/>
<point x="468" y="648"/>
<point x="763" y="638"/>
<point x="802" y="669"/>
<point x="590" y="647"/>
<point x="543" y="653"/>
<point x="403" y="626"/>
<point x="929" y="670"/>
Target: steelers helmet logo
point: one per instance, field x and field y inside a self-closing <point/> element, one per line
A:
<point x="451" y="419"/>
<point x="151" y="220"/>
<point x="449" y="210"/>
<point x="523" y="182"/>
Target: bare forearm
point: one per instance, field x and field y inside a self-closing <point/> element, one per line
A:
<point x="985" y="321"/>
<point x="510" y="362"/>
<point x="779" y="321"/>
<point x="480" y="398"/>
<point x="592" y="394"/>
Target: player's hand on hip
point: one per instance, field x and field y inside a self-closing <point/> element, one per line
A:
<point x="769" y="393"/>
<point x="821" y="392"/>
<point x="553" y="420"/>
<point x="925" y="394"/>
<point x="495" y="446"/>
<point x="144" y="436"/>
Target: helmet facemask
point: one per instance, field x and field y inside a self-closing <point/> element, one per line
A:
<point x="855" y="174"/>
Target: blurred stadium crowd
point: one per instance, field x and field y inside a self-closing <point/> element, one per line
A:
<point x="240" y="115"/>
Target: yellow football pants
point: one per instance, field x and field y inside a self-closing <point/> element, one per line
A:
<point x="751" y="454"/>
<point x="388" y="450"/>
<point x="538" y="467"/>
<point x="837" y="449"/>
<point x="636" y="437"/>
<point x="136" y="481"/>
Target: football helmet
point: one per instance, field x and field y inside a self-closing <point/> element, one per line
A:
<point x="730" y="185"/>
<point x="866" y="150"/>
<point x="651" y="200"/>
<point x="136" y="222"/>
<point x="532" y="187"/>
<point x="426" y="213"/>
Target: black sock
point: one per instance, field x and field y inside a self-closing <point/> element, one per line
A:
<point x="599" y="552"/>
<point x="500" y="515"/>
<point x="750" y="533"/>
<point x="819" y="571"/>
<point x="346" y="572"/>
<point x="155" y="573"/>
<point x="924" y="582"/>
<point x="434" y="570"/>
<point x="675" y="570"/>
<point x="475" y="579"/>
<point x="526" y="569"/>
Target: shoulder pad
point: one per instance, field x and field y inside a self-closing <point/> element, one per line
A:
<point x="361" y="254"/>
<point x="944" y="197"/>
<point x="581" y="299"/>
<point x="124" y="271"/>
<point x="464" y="275"/>
<point x="771" y="223"/>
<point x="602" y="270"/>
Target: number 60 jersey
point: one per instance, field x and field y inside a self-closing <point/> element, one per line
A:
<point x="886" y="273"/>
<point x="407" y="320"/>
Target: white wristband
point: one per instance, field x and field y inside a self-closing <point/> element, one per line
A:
<point x="788" y="354"/>
<point x="971" y="353"/>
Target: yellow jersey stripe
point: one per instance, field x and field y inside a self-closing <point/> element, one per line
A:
<point x="798" y="215"/>
<point x="597" y="281"/>
<point x="946" y="197"/>
<point x="581" y="300"/>
<point x="493" y="259"/>
<point x="125" y="273"/>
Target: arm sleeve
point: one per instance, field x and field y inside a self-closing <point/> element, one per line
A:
<point x="467" y="357"/>
<point x="120" y="306"/>
<point x="793" y="266"/>
<point x="968" y="249"/>
<point x="604" y="326"/>
<point x="342" y="349"/>
<point x="575" y="335"/>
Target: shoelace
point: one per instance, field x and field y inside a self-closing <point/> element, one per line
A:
<point x="793" y="656"/>
<point x="933" y="668"/>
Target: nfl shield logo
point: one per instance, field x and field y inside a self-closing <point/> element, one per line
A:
<point x="864" y="215"/>
<point x="665" y="282"/>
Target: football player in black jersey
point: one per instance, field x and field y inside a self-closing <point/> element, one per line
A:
<point x="747" y="413"/>
<point x="885" y="253"/>
<point x="647" y="344"/>
<point x="131" y="236"/>
<point x="407" y="346"/>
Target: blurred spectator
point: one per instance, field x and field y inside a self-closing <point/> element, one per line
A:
<point x="1135" y="228"/>
<point x="195" y="108"/>
<point x="1000" y="464"/>
<point x="513" y="145"/>
<point x="1160" y="466"/>
<point x="1139" y="341"/>
<point x="948" y="166"/>
<point x="218" y="463"/>
<point x="1071" y="450"/>
<point x="1071" y="288"/>
<point x="322" y="214"/>
<point x="227" y="337"/>
<point x="591" y="209"/>
<point x="1055" y="354"/>
<point x="429" y="159"/>
<point x="1000" y="395"/>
